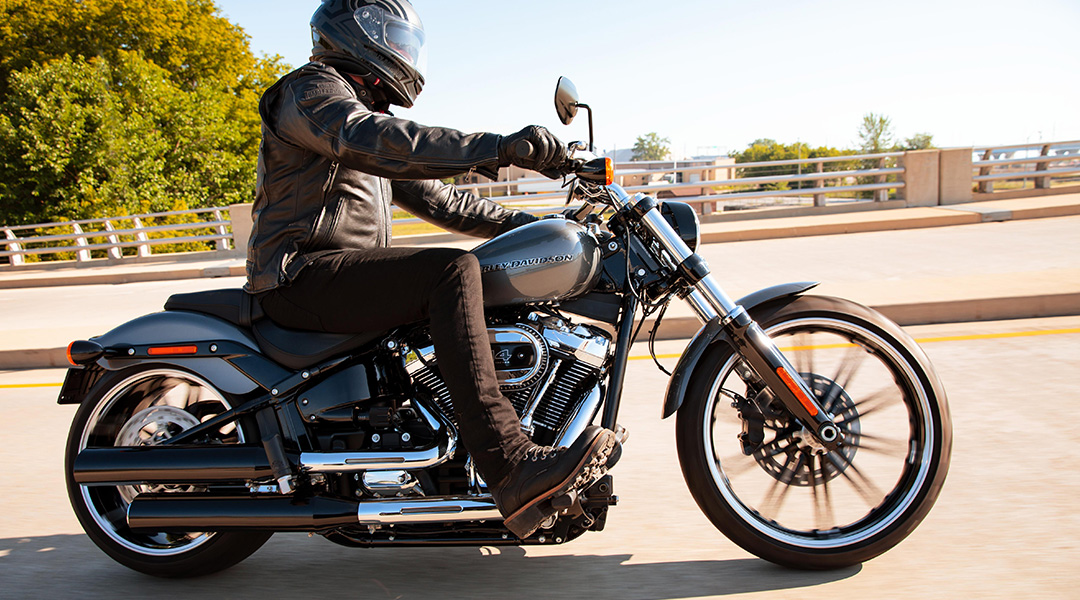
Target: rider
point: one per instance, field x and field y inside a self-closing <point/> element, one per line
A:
<point x="331" y="162"/>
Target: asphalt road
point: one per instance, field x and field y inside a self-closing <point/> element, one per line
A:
<point x="1005" y="526"/>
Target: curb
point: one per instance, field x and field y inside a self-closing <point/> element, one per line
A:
<point x="679" y="328"/>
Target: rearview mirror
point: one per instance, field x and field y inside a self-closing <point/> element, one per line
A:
<point x="566" y="100"/>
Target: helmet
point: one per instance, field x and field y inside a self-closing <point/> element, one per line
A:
<point x="383" y="39"/>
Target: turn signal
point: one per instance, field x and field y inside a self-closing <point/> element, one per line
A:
<point x="609" y="171"/>
<point x="83" y="352"/>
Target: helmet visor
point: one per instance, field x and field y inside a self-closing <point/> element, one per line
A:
<point x="397" y="37"/>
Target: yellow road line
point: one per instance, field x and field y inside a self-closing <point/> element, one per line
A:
<point x="929" y="340"/>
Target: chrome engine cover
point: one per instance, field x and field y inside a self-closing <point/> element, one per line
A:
<point x="549" y="368"/>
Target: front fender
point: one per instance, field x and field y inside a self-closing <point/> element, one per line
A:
<point x="712" y="332"/>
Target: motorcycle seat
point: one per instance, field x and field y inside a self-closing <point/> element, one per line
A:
<point x="290" y="348"/>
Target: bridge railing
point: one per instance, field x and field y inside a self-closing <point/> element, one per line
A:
<point x="920" y="178"/>
<point x="1009" y="169"/>
<point x="108" y="237"/>
<point x="876" y="174"/>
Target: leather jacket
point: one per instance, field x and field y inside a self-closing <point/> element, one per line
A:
<point x="330" y="166"/>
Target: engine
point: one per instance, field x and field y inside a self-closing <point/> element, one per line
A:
<point x="549" y="369"/>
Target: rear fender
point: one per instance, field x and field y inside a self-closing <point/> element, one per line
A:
<point x="224" y="355"/>
<point x="712" y="333"/>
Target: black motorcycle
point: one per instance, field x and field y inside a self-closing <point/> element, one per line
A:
<point x="811" y="430"/>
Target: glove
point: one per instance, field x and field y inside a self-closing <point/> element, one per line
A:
<point x="534" y="148"/>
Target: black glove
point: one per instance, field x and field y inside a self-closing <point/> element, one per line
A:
<point x="534" y="148"/>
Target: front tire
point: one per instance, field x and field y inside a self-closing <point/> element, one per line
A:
<point x="770" y="487"/>
<point x="140" y="406"/>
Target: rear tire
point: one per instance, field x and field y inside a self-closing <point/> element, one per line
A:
<point x="143" y="406"/>
<point x="766" y="484"/>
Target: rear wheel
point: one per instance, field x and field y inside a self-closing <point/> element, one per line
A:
<point x="140" y="407"/>
<point x="767" y="484"/>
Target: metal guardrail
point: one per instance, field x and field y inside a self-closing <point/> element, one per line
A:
<point x="879" y="174"/>
<point x="711" y="188"/>
<point x="991" y="169"/>
<point x="110" y="236"/>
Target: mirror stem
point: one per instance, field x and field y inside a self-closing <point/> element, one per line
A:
<point x="592" y="147"/>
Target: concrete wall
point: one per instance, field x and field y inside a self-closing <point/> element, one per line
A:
<point x="954" y="179"/>
<point x="921" y="183"/>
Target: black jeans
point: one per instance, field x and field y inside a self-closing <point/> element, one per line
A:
<point x="355" y="291"/>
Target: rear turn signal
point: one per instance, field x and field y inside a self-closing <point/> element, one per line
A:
<point x="83" y="352"/>
<point x="609" y="171"/>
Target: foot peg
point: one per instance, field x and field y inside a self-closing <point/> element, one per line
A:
<point x="565" y="501"/>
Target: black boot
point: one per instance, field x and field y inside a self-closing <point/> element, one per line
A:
<point x="545" y="474"/>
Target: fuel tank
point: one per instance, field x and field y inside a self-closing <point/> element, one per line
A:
<point x="550" y="259"/>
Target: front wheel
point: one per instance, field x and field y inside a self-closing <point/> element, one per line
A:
<point x="764" y="480"/>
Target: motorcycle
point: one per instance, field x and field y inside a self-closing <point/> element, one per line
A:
<point x="812" y="431"/>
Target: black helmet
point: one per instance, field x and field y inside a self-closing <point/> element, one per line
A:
<point x="380" y="38"/>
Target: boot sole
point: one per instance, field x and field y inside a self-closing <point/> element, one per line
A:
<point x="593" y="466"/>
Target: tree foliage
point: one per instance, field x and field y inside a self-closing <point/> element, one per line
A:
<point x="919" y="141"/>
<point x="112" y="107"/>
<point x="764" y="150"/>
<point x="875" y="134"/>
<point x="651" y="147"/>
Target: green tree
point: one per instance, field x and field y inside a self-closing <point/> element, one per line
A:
<point x="919" y="141"/>
<point x="118" y="106"/>
<point x="875" y="134"/>
<point x="84" y="139"/>
<point x="767" y="150"/>
<point x="651" y="147"/>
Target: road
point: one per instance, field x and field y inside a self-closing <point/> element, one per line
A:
<point x="1005" y="526"/>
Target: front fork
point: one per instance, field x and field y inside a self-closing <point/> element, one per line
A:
<point x="710" y="301"/>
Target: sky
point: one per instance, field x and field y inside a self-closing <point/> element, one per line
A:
<point x="714" y="75"/>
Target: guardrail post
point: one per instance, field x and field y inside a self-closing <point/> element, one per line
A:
<point x="221" y="243"/>
<point x="80" y="255"/>
<point x="1043" y="183"/>
<point x="955" y="176"/>
<point x="986" y="187"/>
<point x="144" y="249"/>
<point x="114" y="251"/>
<point x="14" y="259"/>
<point x="242" y="223"/>
<point x="819" y="199"/>
<point x="881" y="195"/>
<point x="920" y="177"/>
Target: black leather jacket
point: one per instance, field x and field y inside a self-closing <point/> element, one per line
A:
<point x="329" y="167"/>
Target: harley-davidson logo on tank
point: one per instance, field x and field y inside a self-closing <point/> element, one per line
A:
<point x="528" y="262"/>
<point x="547" y="260"/>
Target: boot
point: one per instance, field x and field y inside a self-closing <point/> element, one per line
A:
<point x="544" y="475"/>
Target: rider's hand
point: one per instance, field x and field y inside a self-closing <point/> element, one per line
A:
<point x="534" y="148"/>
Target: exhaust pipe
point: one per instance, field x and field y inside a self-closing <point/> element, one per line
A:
<point x="177" y="513"/>
<point x="181" y="512"/>
<point x="170" y="464"/>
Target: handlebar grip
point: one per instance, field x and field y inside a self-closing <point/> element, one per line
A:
<point x="523" y="149"/>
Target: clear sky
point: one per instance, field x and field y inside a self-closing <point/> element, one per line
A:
<point x="713" y="75"/>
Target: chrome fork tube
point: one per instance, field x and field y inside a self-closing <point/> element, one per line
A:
<point x="710" y="301"/>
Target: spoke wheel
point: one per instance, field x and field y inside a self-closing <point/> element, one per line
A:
<point x="766" y="482"/>
<point x="145" y="407"/>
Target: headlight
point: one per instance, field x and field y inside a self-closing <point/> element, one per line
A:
<point x="682" y="217"/>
